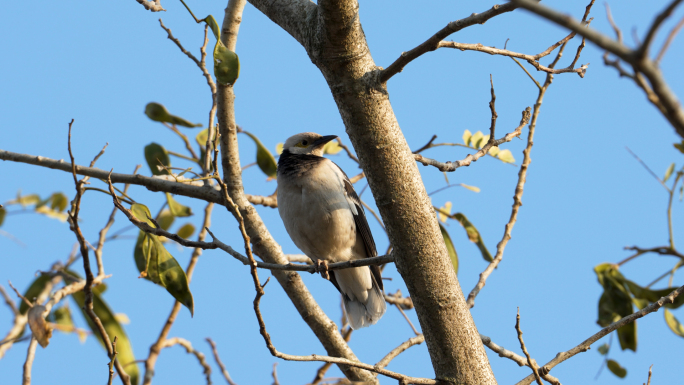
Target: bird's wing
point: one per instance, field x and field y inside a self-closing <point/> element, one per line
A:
<point x="362" y="226"/>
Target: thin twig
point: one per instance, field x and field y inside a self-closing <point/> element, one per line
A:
<point x="9" y="301"/>
<point x="530" y="362"/>
<point x="519" y="188"/>
<point x="650" y="372"/>
<point x="28" y="364"/>
<point x="417" y="340"/>
<point x="648" y="169"/>
<point x="275" y="375"/>
<point x="111" y="362"/>
<point x="415" y="331"/>
<point x="24" y="299"/>
<point x="669" y="40"/>
<point x="586" y="344"/>
<point x="188" y="348"/>
<point x="219" y="362"/>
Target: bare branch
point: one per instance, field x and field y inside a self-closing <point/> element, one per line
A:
<point x="432" y="43"/>
<point x="650" y="372"/>
<point x="517" y="197"/>
<point x="219" y="362"/>
<point x="188" y="348"/>
<point x="111" y="362"/>
<point x="396" y="299"/>
<point x="669" y="40"/>
<point x="28" y="364"/>
<point x="417" y="340"/>
<point x="157" y="183"/>
<point x="586" y="344"/>
<point x="9" y="301"/>
<point x="530" y="362"/>
<point x="645" y="46"/>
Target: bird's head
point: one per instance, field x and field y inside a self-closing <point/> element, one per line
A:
<point x="309" y="143"/>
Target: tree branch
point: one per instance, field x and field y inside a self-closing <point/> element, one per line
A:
<point x="219" y="362"/>
<point x="586" y="344"/>
<point x="417" y="340"/>
<point x="188" y="348"/>
<point x="530" y="362"/>
<point x="432" y="43"/>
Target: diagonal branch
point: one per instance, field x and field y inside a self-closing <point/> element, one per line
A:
<point x="586" y="344"/>
<point x="432" y="43"/>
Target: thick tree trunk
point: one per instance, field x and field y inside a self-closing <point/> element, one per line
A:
<point x="332" y="35"/>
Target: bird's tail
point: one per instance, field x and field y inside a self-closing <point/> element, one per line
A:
<point x="362" y="314"/>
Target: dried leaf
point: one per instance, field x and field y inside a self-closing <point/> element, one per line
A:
<point x="471" y="188"/>
<point x="42" y="331"/>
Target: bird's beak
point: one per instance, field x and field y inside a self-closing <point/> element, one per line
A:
<point x="318" y="143"/>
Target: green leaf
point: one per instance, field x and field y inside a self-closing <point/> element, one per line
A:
<point x="165" y="219"/>
<point x="471" y="188"/>
<point x="628" y="336"/>
<point x="615" y="303"/>
<point x="331" y="148"/>
<point x="603" y="349"/>
<point x="226" y="64"/>
<point x="113" y="329"/>
<point x="62" y="316"/>
<point x="279" y="148"/>
<point x="265" y="159"/>
<point x="186" y="231"/>
<point x="473" y="235"/>
<point x="202" y="137"/>
<point x="176" y="208"/>
<point x="3" y="212"/>
<point x="506" y="156"/>
<point x="450" y="247"/>
<point x="26" y="200"/>
<point x="211" y="22"/>
<point x="673" y="323"/>
<point x="159" y="113"/>
<point x="141" y="212"/>
<point x="154" y="154"/>
<point x="668" y="172"/>
<point x="34" y="290"/>
<point x="651" y="295"/>
<point x="477" y="139"/>
<point x="156" y="264"/>
<point x="467" y="136"/>
<point x="617" y="370"/>
<point x="680" y="146"/>
<point x="58" y="201"/>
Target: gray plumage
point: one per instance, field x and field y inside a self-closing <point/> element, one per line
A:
<point x="325" y="219"/>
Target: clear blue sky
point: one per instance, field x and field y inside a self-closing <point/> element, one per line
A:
<point x="585" y="199"/>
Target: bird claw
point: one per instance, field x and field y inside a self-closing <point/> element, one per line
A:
<point x="321" y="266"/>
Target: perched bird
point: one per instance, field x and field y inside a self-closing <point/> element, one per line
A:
<point x="325" y="219"/>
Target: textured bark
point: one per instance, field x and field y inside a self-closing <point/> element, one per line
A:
<point x="262" y="242"/>
<point x="338" y="47"/>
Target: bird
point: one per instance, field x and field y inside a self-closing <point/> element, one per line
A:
<point x="325" y="219"/>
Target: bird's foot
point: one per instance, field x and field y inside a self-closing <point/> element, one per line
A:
<point x="321" y="266"/>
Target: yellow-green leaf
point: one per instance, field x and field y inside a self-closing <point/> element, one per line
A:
<point x="3" y="212"/>
<point x="58" y="201"/>
<point x="467" y="136"/>
<point x="159" y="113"/>
<point x="113" y="329"/>
<point x="202" y="137"/>
<point x="26" y="200"/>
<point x="680" y="146"/>
<point x="494" y="151"/>
<point x="484" y="141"/>
<point x="186" y="231"/>
<point x="331" y="148"/>
<point x="450" y="247"/>
<point x="471" y="188"/>
<point x="674" y="324"/>
<point x="279" y="148"/>
<point x="473" y="235"/>
<point x="156" y="264"/>
<point x="50" y="213"/>
<point x="176" y="208"/>
<point x="444" y="212"/>
<point x="477" y="139"/>
<point x="617" y="370"/>
<point x="154" y="154"/>
<point x="603" y="349"/>
<point x="668" y="172"/>
<point x="165" y="219"/>
<point x="141" y="212"/>
<point x="226" y="64"/>
<point x="506" y="156"/>
<point x="211" y="22"/>
<point x="265" y="159"/>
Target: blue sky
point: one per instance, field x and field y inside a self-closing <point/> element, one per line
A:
<point x="585" y="199"/>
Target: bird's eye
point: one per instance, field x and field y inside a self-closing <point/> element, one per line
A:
<point x="304" y="142"/>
